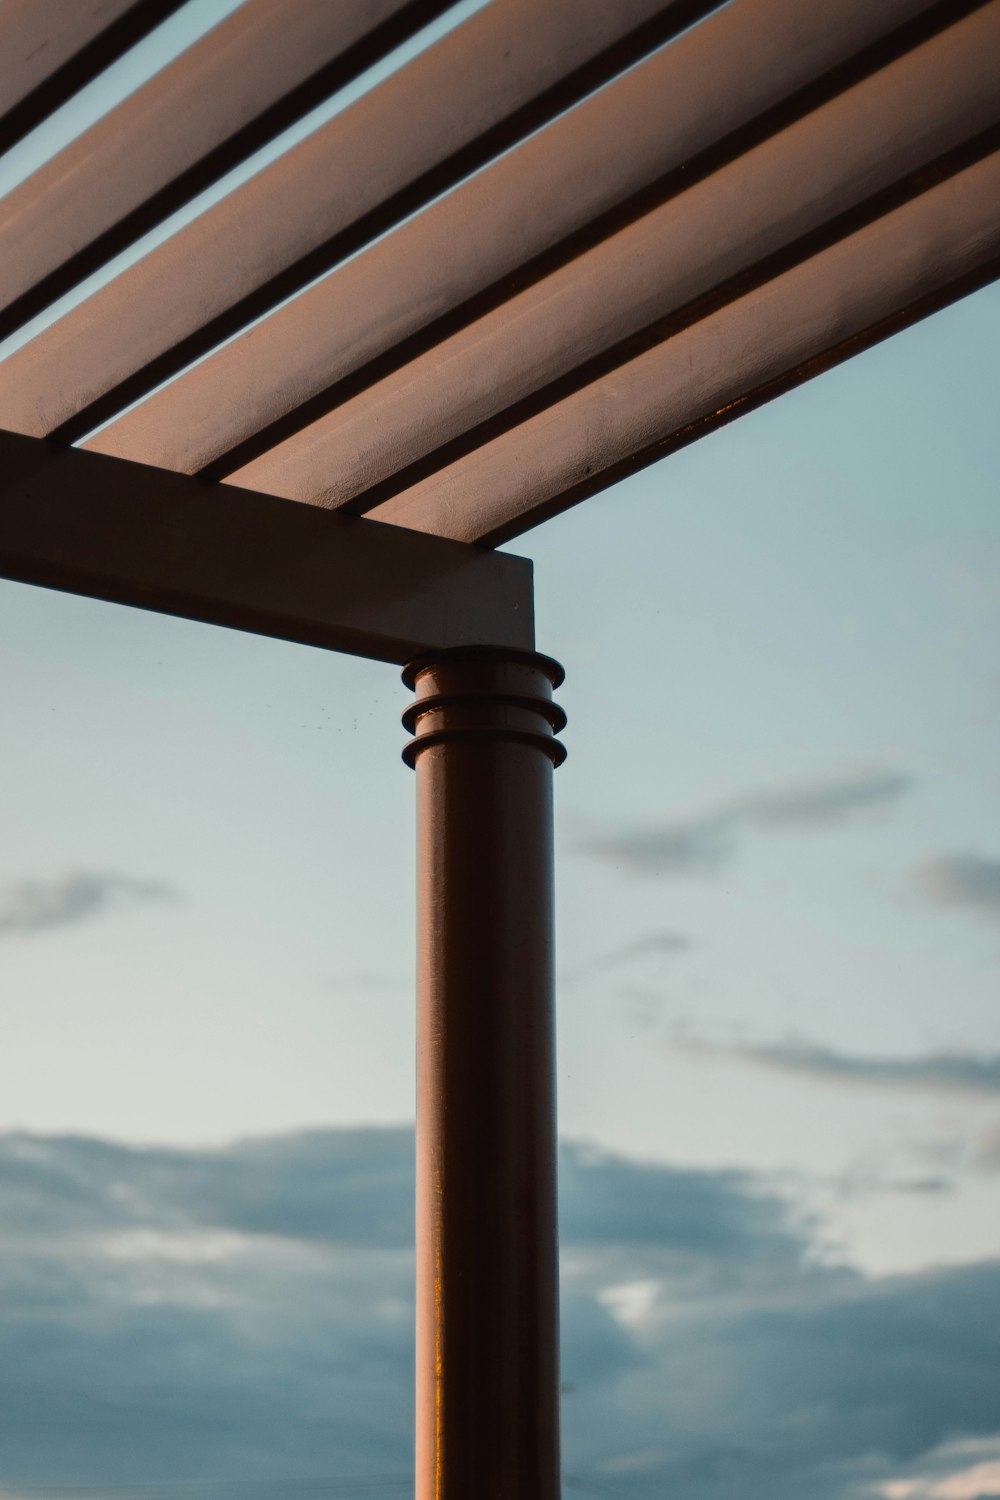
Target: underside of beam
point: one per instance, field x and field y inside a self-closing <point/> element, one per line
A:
<point x="854" y="157"/>
<point x="924" y="254"/>
<point x="52" y="49"/>
<point x="141" y="536"/>
<point x="236" y="88"/>
<point x="479" y="253"/>
<point x="497" y="76"/>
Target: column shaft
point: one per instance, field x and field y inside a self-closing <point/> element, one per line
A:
<point x="487" y="1294"/>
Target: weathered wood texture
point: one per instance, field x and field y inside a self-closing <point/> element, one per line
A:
<point x="501" y="73"/>
<point x="649" y="280"/>
<point x="52" y="48"/>
<point x="868" y="285"/>
<point x="143" y="536"/>
<point x="469" y="251"/>
<point x="767" y="194"/>
<point x="239" y="85"/>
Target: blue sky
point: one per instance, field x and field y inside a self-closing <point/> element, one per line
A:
<point x="778" y="864"/>
<point x="803" y="605"/>
<point x="779" y="940"/>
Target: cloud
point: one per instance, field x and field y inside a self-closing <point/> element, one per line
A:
<point x="987" y="1155"/>
<point x="956" y="1471"/>
<point x="37" y="905"/>
<point x="701" y="846"/>
<point x="825" y="803"/>
<point x="650" y="944"/>
<point x="931" y="1072"/>
<point x="698" y="847"/>
<point x="963" y="880"/>
<point x="243" y="1316"/>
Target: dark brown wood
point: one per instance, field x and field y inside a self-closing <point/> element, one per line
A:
<point x="911" y="261"/>
<point x="782" y="202"/>
<point x="50" y="49"/>
<point x="135" y="535"/>
<point x="247" y="79"/>
<point x="509" y="68"/>
<point x="467" y="253"/>
<point x="487" y="1284"/>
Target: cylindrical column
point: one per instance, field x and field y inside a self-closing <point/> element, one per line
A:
<point x="487" y="1293"/>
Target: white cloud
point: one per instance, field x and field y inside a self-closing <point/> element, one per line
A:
<point x="947" y="1474"/>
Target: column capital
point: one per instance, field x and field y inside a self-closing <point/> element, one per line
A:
<point x="484" y="693"/>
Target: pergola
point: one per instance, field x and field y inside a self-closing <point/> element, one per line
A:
<point x="559" y="242"/>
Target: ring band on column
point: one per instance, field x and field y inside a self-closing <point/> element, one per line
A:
<point x="484" y="693"/>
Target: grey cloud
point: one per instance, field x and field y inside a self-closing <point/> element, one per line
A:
<point x="930" y="1072"/>
<point x="920" y="1186"/>
<point x="37" y="905"/>
<point x="347" y="1188"/>
<point x="243" y="1315"/>
<point x="650" y="944"/>
<point x="820" y="803"/>
<point x="987" y="1155"/>
<point x="963" y="880"/>
<point x="701" y="846"/>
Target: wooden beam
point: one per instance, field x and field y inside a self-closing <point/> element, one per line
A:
<point x="52" y="49"/>
<point x="499" y="232"/>
<point x="854" y="158"/>
<point x="514" y="224"/>
<point x="141" y="536"/>
<point x="908" y="263"/>
<point x="492" y="80"/>
<point x="236" y="88"/>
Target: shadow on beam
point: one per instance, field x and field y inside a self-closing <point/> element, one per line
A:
<point x="147" y="537"/>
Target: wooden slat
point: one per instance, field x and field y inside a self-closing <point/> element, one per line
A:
<point x="49" y="49"/>
<point x="248" y="78"/>
<point x="455" y="261"/>
<point x="904" y="265"/>
<point x="567" y="185"/>
<point x="504" y="71"/>
<point x="141" y="536"/>
<point x="628" y="293"/>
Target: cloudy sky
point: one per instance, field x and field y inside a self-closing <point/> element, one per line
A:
<point x="779" y="952"/>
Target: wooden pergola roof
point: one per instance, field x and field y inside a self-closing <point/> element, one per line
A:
<point x="566" y="238"/>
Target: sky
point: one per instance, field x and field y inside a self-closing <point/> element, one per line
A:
<point x="778" y="876"/>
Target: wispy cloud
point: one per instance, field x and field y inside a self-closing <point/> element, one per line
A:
<point x="931" y="1072"/>
<point x="650" y="945"/>
<point x="702" y="845"/>
<point x="823" y="803"/>
<point x="964" y="880"/>
<point x="39" y="905"/>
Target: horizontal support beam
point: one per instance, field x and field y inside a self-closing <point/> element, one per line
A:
<point x="908" y="263"/>
<point x="135" y="535"/>
<point x="497" y="76"/>
<point x="848" y="161"/>
<point x="750" y="69"/>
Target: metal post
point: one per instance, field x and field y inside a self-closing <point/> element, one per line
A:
<point x="487" y="1291"/>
